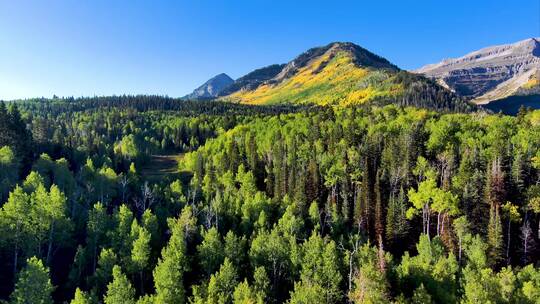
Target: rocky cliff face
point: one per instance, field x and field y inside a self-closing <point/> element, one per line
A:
<point x="211" y="88"/>
<point x="491" y="73"/>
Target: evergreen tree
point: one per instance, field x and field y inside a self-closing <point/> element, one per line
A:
<point x="495" y="192"/>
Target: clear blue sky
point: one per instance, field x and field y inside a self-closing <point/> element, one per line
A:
<point x="98" y="47"/>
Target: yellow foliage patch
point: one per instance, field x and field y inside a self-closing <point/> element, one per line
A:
<point x="330" y="80"/>
<point x="531" y="84"/>
<point x="535" y="118"/>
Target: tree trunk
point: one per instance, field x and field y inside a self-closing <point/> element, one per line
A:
<point x="141" y="274"/>
<point x="382" y="262"/>
<point x="442" y="223"/>
<point x="350" y="271"/>
<point x="49" y="249"/>
<point x="438" y="223"/>
<point x="508" y="241"/>
<point x="459" y="254"/>
<point x="427" y="228"/>
<point x="15" y="258"/>
<point x="95" y="257"/>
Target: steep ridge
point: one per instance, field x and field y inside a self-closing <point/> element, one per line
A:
<point x="253" y="79"/>
<point x="491" y="73"/>
<point x="341" y="73"/>
<point x="211" y="88"/>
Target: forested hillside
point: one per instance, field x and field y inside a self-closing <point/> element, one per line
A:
<point x="340" y="74"/>
<point x="281" y="204"/>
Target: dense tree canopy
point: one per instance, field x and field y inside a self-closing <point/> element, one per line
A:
<point x="266" y="204"/>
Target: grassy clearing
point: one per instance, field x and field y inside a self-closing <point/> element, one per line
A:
<point x="161" y="166"/>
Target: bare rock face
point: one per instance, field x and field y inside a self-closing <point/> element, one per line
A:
<point x="211" y="88"/>
<point x="491" y="73"/>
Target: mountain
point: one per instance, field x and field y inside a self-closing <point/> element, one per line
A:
<point x="340" y="73"/>
<point x="211" y="88"/>
<point x="254" y="79"/>
<point x="492" y="74"/>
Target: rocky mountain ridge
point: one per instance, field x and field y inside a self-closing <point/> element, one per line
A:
<point x="491" y="73"/>
<point x="211" y="88"/>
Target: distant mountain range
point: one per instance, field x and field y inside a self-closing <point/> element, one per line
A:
<point x="343" y="73"/>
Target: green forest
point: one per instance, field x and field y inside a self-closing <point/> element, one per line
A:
<point x="266" y="204"/>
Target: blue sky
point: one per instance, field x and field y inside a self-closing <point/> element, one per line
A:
<point x="86" y="48"/>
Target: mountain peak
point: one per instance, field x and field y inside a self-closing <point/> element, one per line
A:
<point x="211" y="88"/>
<point x="359" y="56"/>
<point x="340" y="74"/>
<point x="222" y="76"/>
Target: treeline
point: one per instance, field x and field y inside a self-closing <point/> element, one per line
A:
<point x="143" y="103"/>
<point x="356" y="205"/>
<point x="426" y="93"/>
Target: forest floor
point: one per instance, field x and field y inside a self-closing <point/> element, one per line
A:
<point x="161" y="166"/>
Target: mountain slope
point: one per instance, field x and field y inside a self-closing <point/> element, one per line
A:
<point x="211" y="88"/>
<point x="491" y="73"/>
<point x="253" y="79"/>
<point x="342" y="74"/>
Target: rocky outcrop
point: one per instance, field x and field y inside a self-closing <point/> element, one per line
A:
<point x="211" y="88"/>
<point x="491" y="73"/>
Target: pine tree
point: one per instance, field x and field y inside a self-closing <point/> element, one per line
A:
<point x="397" y="225"/>
<point x="379" y="225"/>
<point x="495" y="193"/>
